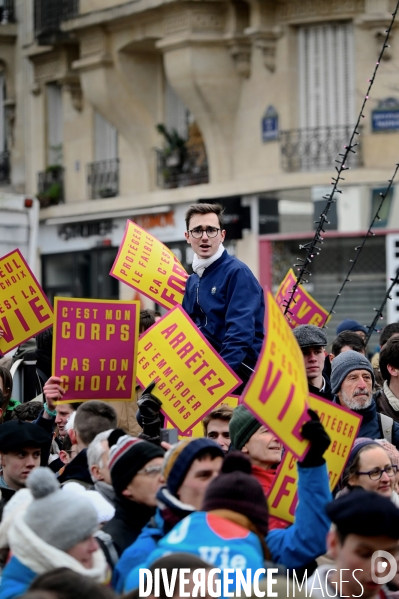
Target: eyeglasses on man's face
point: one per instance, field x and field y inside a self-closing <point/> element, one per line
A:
<point x="376" y="473"/>
<point x="151" y="471"/>
<point x="198" y="232"/>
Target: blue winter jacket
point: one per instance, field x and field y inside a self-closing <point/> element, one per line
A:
<point x="16" y="579"/>
<point x="227" y="305"/>
<point x="370" y="426"/>
<point x="294" y="547"/>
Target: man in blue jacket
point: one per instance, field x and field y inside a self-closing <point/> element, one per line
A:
<point x="222" y="297"/>
<point x="352" y="380"/>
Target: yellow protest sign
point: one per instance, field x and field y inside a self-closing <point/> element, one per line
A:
<point x="277" y="393"/>
<point x="149" y="266"/>
<point x="191" y="377"/>
<point x="305" y="309"/>
<point x="198" y="430"/>
<point x="24" y="309"/>
<point x="342" y="425"/>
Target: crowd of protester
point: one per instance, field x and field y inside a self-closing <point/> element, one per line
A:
<point x="85" y="504"/>
<point x="90" y="495"/>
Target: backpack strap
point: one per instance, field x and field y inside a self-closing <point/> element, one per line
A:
<point x="386" y="423"/>
<point x="109" y="546"/>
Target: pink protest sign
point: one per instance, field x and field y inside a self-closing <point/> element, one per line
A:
<point x="305" y="310"/>
<point x="95" y="348"/>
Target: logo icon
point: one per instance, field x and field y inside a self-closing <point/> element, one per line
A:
<point x="383" y="563"/>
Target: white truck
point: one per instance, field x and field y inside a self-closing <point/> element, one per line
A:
<point x="19" y="226"/>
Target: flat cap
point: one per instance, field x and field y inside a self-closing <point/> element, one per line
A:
<point x="16" y="434"/>
<point x="308" y="335"/>
<point x="364" y="513"/>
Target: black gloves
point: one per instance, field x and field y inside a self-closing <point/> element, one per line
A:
<point x="315" y="432"/>
<point x="149" y="407"/>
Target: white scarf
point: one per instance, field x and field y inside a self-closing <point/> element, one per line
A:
<point x="392" y="399"/>
<point x="40" y="557"/>
<point x="200" y="264"/>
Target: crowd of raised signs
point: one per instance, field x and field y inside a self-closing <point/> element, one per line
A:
<point x="90" y="493"/>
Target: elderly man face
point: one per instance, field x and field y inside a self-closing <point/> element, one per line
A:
<point x="356" y="390"/>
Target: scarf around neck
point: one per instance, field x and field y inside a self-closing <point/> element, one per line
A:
<point x="392" y="399"/>
<point x="39" y="556"/>
<point x="200" y="264"/>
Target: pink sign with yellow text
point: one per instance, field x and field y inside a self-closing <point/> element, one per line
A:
<point x="191" y="378"/>
<point x="95" y="348"/>
<point x="305" y="310"/>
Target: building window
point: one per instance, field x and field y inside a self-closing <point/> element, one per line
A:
<point x="55" y="133"/>
<point x="326" y="75"/>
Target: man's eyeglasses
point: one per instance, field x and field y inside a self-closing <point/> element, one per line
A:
<point x="151" y="471"/>
<point x="198" y="232"/>
<point x="376" y="473"/>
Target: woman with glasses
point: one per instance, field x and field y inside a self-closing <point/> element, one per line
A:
<point x="369" y="466"/>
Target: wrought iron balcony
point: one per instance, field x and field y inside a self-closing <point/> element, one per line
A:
<point x="183" y="166"/>
<point x="48" y="16"/>
<point x="7" y="12"/>
<point x="316" y="148"/>
<point x="4" y="167"/>
<point x="50" y="186"/>
<point x="103" y="178"/>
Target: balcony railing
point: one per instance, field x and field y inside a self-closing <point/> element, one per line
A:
<point x="48" y="16"/>
<point x="4" y="167"/>
<point x="316" y="148"/>
<point x="7" y="12"/>
<point x="103" y="178"/>
<point x="50" y="186"/>
<point x="182" y="167"/>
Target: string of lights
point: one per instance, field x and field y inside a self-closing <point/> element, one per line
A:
<point x="359" y="248"/>
<point x="379" y="315"/>
<point x="312" y="248"/>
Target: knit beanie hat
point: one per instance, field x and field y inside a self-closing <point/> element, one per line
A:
<point x="242" y="426"/>
<point x="128" y="455"/>
<point x="236" y="489"/>
<point x="345" y="363"/>
<point x="350" y="325"/>
<point x="104" y="510"/>
<point x="60" y="518"/>
<point x="180" y="456"/>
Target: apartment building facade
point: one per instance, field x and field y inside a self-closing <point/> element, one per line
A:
<point x="114" y="110"/>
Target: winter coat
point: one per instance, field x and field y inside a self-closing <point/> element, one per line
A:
<point x="370" y="426"/>
<point x="78" y="471"/>
<point x="170" y="511"/>
<point x="293" y="547"/>
<point x="128" y="522"/>
<point x="227" y="305"/>
<point x="387" y="403"/>
<point x="326" y="393"/>
<point x="16" y="579"/>
<point x="137" y="553"/>
<point x="266" y="480"/>
<point x="216" y="540"/>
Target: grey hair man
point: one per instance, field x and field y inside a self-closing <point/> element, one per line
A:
<point x="352" y="381"/>
<point x="97" y="459"/>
